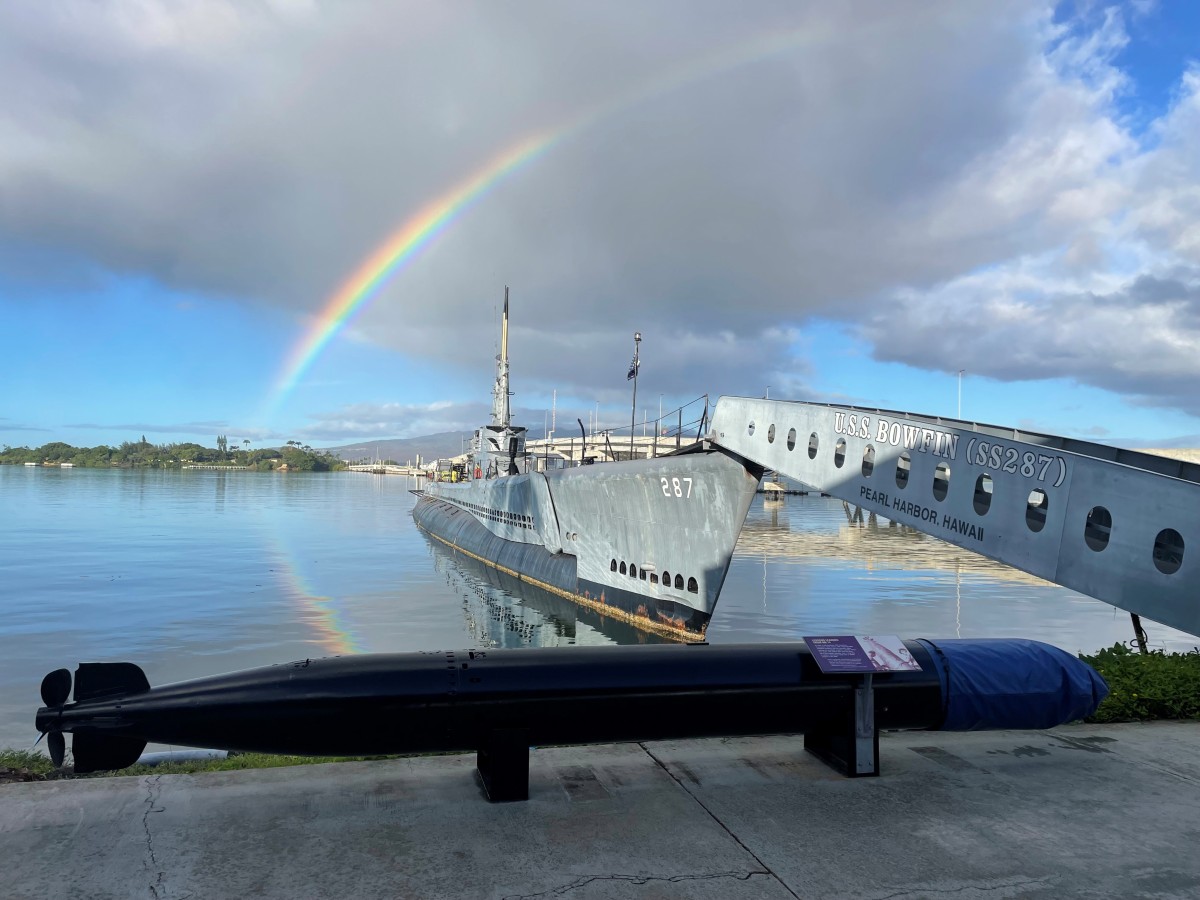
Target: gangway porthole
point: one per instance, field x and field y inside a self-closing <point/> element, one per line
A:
<point x="1098" y="528"/>
<point x="839" y="452"/>
<point x="791" y="441"/>
<point x="813" y="443"/>
<point x="903" y="466"/>
<point x="1036" y="509"/>
<point x="1168" y="551"/>
<point x="771" y="434"/>
<point x="868" y="466"/>
<point x="941" y="482"/>
<point x="750" y="429"/>
<point x="982" y="500"/>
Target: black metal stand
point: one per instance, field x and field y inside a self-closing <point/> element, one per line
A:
<point x="853" y="748"/>
<point x="503" y="764"/>
<point x="1139" y="633"/>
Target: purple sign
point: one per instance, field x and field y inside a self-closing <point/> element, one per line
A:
<point x="841" y="653"/>
<point x="861" y="653"/>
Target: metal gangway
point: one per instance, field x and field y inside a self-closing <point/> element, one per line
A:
<point x="1113" y="524"/>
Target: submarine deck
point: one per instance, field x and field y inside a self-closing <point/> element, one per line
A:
<point x="1077" y="811"/>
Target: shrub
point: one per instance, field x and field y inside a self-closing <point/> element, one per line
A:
<point x="1155" y="685"/>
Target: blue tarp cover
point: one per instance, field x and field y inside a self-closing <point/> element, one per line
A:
<point x="1013" y="683"/>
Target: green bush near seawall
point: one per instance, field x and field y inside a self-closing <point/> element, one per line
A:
<point x="1146" y="686"/>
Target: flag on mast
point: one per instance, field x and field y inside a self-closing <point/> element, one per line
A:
<point x="633" y="369"/>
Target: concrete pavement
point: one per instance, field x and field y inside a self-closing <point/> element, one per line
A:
<point x="1080" y="811"/>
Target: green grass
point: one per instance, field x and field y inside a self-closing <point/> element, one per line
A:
<point x="27" y="762"/>
<point x="240" y="761"/>
<point x="29" y="765"/>
<point x="1147" y="686"/>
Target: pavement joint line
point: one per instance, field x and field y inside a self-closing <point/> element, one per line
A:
<point x="1092" y="747"/>
<point x="1006" y="885"/>
<point x="767" y="870"/>
<point x="1168" y="771"/>
<point x="153" y="790"/>
<point x="585" y="880"/>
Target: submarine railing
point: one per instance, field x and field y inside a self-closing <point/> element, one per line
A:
<point x="1117" y="525"/>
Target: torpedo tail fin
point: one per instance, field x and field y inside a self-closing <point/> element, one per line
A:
<point x="98" y="752"/>
<point x="94" y="681"/>
<point x="93" y="750"/>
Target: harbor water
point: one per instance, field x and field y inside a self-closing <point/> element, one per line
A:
<point x="193" y="573"/>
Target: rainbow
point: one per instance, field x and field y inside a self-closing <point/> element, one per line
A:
<point x="317" y="611"/>
<point x="390" y="257"/>
<point x="420" y="229"/>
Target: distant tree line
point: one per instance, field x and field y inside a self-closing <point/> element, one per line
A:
<point x="144" y="455"/>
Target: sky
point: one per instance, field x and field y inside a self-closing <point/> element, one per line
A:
<point x="295" y="220"/>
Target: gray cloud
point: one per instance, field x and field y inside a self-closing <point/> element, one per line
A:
<point x="393" y="420"/>
<point x="204" y="431"/>
<point x="1141" y="339"/>
<point x="953" y="177"/>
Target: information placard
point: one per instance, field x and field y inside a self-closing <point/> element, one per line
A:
<point x="861" y="653"/>
<point x="839" y="653"/>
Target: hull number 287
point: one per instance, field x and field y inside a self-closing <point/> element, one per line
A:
<point x="676" y="487"/>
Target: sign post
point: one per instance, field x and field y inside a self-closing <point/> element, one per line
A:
<point x="852" y="746"/>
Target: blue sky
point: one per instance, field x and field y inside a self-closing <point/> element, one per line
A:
<point x="1010" y="189"/>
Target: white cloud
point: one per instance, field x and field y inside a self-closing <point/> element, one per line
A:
<point x="1109" y="293"/>
<point x="956" y="178"/>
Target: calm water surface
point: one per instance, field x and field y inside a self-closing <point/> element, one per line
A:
<point x="195" y="573"/>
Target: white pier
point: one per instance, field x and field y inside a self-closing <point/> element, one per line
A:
<point x="386" y="469"/>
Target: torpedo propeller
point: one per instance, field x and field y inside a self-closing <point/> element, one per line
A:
<point x="56" y="688"/>
<point x="58" y="747"/>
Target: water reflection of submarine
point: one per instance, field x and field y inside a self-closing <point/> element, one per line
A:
<point x="517" y="613"/>
<point x="873" y="541"/>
